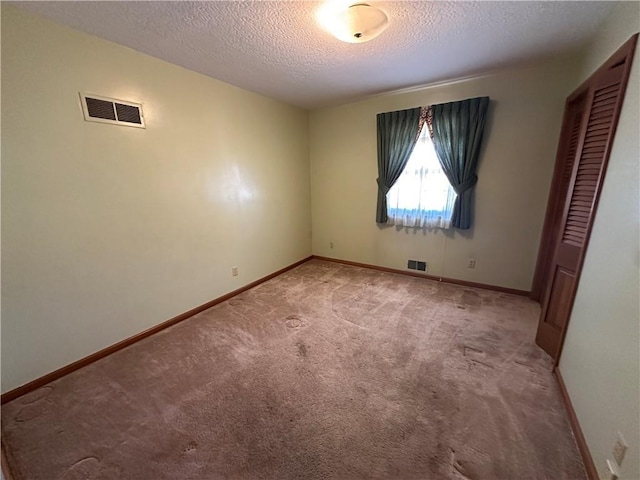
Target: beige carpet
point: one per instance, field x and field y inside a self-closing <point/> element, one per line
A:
<point x="327" y="371"/>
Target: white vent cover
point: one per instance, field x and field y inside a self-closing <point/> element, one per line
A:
<point x="109" y="110"/>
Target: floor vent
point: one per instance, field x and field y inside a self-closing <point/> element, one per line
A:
<point x="109" y="110"/>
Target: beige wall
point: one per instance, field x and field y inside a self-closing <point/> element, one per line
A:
<point x="109" y="230"/>
<point x="601" y="358"/>
<point x="514" y="177"/>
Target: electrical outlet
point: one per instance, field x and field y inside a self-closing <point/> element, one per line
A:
<point x="619" y="449"/>
<point x="330" y="244"/>
<point x="234" y="271"/>
<point x="471" y="263"/>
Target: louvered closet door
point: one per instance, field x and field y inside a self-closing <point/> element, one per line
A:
<point x="567" y="149"/>
<point x="590" y="152"/>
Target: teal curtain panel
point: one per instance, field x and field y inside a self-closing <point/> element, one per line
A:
<point x="397" y="136"/>
<point x="456" y="129"/>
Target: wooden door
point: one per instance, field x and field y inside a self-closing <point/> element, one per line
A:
<point x="591" y="117"/>
<point x="565" y="157"/>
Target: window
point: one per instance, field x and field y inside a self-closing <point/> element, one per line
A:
<point x="422" y="196"/>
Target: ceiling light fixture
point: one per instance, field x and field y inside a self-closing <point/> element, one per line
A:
<point x="352" y="22"/>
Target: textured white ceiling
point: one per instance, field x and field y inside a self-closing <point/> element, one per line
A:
<point x="277" y="49"/>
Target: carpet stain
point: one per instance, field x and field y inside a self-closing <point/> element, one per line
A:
<point x="235" y="301"/>
<point x="35" y="396"/>
<point x="293" y="321"/>
<point x="471" y="299"/>
<point x="190" y="447"/>
<point x="302" y="349"/>
<point x="30" y="411"/>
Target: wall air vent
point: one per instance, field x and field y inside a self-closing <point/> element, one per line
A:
<point x="109" y="110"/>
<point x="417" y="265"/>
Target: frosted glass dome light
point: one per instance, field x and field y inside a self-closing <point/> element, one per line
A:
<point x="355" y="23"/>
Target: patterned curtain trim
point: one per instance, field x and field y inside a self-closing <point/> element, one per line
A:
<point x="424" y="112"/>
<point x="428" y="116"/>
